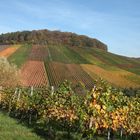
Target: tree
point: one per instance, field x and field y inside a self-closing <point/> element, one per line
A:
<point x="9" y="74"/>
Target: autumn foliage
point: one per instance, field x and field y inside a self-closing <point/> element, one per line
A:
<point x="9" y="74"/>
<point x="101" y="110"/>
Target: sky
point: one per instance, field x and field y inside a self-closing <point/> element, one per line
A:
<point x="114" y="22"/>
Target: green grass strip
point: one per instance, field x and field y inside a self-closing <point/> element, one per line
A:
<point x="21" y="55"/>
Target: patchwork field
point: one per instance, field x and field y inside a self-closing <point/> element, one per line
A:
<point x="20" y="56"/>
<point x="38" y="52"/>
<point x="76" y="64"/>
<point x="106" y="59"/>
<point x="65" y="55"/>
<point x="58" y="72"/>
<point x="29" y="58"/>
<point x="33" y="73"/>
<point x="118" y="77"/>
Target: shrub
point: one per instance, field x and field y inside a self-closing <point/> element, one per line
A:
<point x="9" y="74"/>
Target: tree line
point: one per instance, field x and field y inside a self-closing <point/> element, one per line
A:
<point x="51" y="37"/>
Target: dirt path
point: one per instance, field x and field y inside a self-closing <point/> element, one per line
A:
<point x="8" y="51"/>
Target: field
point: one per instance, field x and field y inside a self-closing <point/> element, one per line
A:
<point x="59" y="72"/>
<point x="119" y="70"/>
<point x="77" y="64"/>
<point x="6" y="52"/>
<point x="118" y="77"/>
<point x="38" y="52"/>
<point x="30" y="59"/>
<point x="20" y="56"/>
<point x="65" y="55"/>
<point x="33" y="73"/>
<point x="64" y="64"/>
<point x="107" y="59"/>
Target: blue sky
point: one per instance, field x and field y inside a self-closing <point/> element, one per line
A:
<point x="115" y="22"/>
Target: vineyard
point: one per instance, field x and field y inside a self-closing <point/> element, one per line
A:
<point x="63" y="86"/>
<point x="63" y="64"/>
<point x="104" y="113"/>
<point x="33" y="73"/>
<point x="107" y="59"/>
<point x="59" y="72"/>
<point x="117" y="77"/>
<point x="65" y="55"/>
<point x="30" y="60"/>
<point x="20" y="56"/>
<point x="76" y="64"/>
<point x="99" y="112"/>
<point x="118" y="70"/>
<point x="38" y="52"/>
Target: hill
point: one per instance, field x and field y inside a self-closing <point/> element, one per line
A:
<point x="50" y="61"/>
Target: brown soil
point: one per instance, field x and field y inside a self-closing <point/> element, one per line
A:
<point x="7" y="52"/>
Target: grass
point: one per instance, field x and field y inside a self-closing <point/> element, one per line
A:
<point x="134" y="78"/>
<point x="117" y="70"/>
<point x="128" y="64"/>
<point x="107" y="59"/>
<point x="20" y="56"/>
<point x="66" y="55"/>
<point x="10" y="129"/>
<point x="118" y="77"/>
<point x="85" y="53"/>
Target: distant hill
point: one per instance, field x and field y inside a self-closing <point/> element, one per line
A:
<point x="51" y="37"/>
<point x="60" y="56"/>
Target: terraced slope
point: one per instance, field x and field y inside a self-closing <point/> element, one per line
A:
<point x="118" y="70"/>
<point x="33" y="73"/>
<point x="107" y="59"/>
<point x="65" y="55"/>
<point x="78" y="64"/>
<point x="20" y="56"/>
<point x="30" y="59"/>
<point x="118" y="77"/>
<point x="59" y="72"/>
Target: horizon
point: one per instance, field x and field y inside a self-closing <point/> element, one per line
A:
<point x="115" y="23"/>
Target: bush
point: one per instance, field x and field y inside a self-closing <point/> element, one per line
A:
<point x="9" y="74"/>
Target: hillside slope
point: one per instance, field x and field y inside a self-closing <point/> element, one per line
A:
<point x="118" y="70"/>
<point x="67" y="56"/>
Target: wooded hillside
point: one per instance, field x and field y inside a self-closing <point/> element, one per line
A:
<point x="51" y="37"/>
